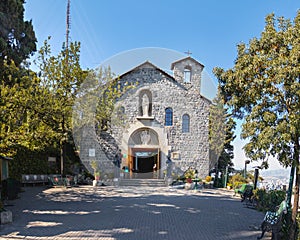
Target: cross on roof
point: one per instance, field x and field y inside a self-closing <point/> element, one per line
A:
<point x="188" y="53"/>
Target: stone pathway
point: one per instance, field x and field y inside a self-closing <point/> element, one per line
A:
<point x="109" y="213"/>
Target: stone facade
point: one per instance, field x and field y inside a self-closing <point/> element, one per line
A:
<point x="144" y="133"/>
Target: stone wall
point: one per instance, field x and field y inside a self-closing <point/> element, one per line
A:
<point x="192" y="148"/>
<point x="189" y="149"/>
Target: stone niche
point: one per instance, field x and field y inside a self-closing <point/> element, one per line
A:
<point x="145" y="105"/>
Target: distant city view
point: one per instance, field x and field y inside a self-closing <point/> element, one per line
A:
<point x="275" y="179"/>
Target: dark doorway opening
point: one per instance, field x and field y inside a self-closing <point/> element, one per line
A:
<point x="144" y="162"/>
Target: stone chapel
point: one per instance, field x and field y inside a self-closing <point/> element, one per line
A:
<point x="163" y="117"/>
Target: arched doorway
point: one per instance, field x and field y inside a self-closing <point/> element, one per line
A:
<point x="144" y="154"/>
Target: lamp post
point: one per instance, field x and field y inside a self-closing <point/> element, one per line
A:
<point x="256" y="174"/>
<point x="290" y="189"/>
<point x="226" y="176"/>
<point x="245" y="170"/>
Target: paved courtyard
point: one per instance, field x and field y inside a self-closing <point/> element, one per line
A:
<point x="130" y="213"/>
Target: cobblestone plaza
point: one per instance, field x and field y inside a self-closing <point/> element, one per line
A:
<point x="130" y="213"/>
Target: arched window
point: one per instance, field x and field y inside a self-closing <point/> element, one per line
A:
<point x="185" y="123"/>
<point x="168" y="117"/>
<point x="187" y="75"/>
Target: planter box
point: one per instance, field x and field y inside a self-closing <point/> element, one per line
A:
<point x="6" y="217"/>
<point x="189" y="186"/>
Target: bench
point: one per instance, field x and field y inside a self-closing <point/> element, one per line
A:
<point x="246" y="191"/>
<point x="58" y="181"/>
<point x="34" y="179"/>
<point x="273" y="221"/>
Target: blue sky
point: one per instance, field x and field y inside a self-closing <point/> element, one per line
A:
<point x="210" y="29"/>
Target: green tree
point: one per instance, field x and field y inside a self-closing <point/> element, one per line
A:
<point x="15" y="118"/>
<point x="225" y="159"/>
<point x="221" y="135"/>
<point x="95" y="106"/>
<point x="263" y="87"/>
<point x="17" y="37"/>
<point x="59" y="80"/>
<point x="17" y="42"/>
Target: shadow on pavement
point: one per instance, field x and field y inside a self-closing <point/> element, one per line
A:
<point x="129" y="213"/>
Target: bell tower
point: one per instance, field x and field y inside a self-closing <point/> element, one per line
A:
<point x="187" y="71"/>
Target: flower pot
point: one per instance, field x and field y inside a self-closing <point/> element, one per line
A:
<point x="95" y="183"/>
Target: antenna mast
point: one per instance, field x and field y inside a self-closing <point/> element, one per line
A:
<point x="68" y="25"/>
<point x="64" y="139"/>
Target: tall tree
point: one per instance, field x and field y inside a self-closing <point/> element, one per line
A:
<point x="263" y="87"/>
<point x="17" y="42"/>
<point x="225" y="159"/>
<point x="59" y="80"/>
<point x="20" y="127"/>
<point x="17" y="37"/>
<point x="221" y="135"/>
<point x="95" y="106"/>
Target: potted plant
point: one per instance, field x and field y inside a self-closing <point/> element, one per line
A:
<point x="189" y="176"/>
<point x="94" y="165"/>
<point x="97" y="175"/>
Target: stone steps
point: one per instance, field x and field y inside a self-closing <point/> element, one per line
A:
<point x="143" y="182"/>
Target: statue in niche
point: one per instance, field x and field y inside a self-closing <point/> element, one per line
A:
<point x="145" y="105"/>
<point x="145" y="137"/>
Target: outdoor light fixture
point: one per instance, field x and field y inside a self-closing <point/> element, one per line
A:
<point x="245" y="170"/>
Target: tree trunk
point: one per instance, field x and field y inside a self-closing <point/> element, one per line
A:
<point x="296" y="193"/>
<point x="62" y="157"/>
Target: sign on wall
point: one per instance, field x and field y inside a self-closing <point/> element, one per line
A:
<point x="92" y="152"/>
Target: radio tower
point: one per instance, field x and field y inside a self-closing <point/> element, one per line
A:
<point x="63" y="140"/>
<point x="68" y="25"/>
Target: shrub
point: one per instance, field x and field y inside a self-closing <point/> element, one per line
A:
<point x="237" y="184"/>
<point x="237" y="180"/>
<point x="268" y="201"/>
<point x="190" y="173"/>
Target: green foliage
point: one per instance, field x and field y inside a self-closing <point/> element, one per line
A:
<point x="189" y="174"/>
<point x="26" y="161"/>
<point x="60" y="78"/>
<point x="237" y="180"/>
<point x="263" y="88"/>
<point x="221" y="135"/>
<point x="268" y="201"/>
<point x="37" y="108"/>
<point x="217" y="132"/>
<point x="96" y="101"/>
<point x="94" y="165"/>
<point x="20" y="127"/>
<point x="17" y="37"/>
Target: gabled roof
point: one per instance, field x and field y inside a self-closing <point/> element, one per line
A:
<point x="145" y="64"/>
<point x="184" y="59"/>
